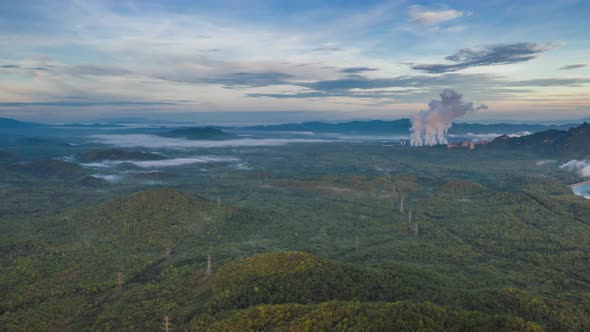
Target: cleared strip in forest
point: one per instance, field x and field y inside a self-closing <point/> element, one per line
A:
<point x="580" y="278"/>
<point x="541" y="203"/>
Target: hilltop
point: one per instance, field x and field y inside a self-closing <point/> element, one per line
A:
<point x="156" y="218"/>
<point x="11" y="123"/>
<point x="574" y="141"/>
<point x="198" y="133"/>
<point x="50" y="168"/>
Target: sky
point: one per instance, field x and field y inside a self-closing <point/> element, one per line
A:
<point x="74" y="60"/>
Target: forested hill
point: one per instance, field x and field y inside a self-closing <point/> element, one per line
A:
<point x="375" y="126"/>
<point x="574" y="140"/>
<point x="198" y="133"/>
<point x="11" y="123"/>
<point x="124" y="264"/>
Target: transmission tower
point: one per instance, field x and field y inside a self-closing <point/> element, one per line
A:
<point x="401" y="205"/>
<point x="166" y="327"/>
<point x="209" y="271"/>
<point x="120" y="279"/>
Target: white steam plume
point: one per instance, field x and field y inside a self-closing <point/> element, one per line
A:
<point x="431" y="127"/>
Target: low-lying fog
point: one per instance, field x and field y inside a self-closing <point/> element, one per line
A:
<point x="162" y="163"/>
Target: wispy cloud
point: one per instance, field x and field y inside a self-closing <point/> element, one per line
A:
<point x="576" y="66"/>
<point x="357" y="70"/>
<point x="582" y="167"/>
<point x="114" y="178"/>
<point x="571" y="82"/>
<point x="95" y="70"/>
<point x="163" y="163"/>
<point x="258" y="79"/>
<point x="18" y="67"/>
<point x="156" y="142"/>
<point x="326" y="48"/>
<point x="425" y="17"/>
<point x="358" y="86"/>
<point x="67" y="103"/>
<point x="412" y="88"/>
<point x="500" y="54"/>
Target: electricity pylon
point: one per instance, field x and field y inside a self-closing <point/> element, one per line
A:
<point x="209" y="270"/>
<point x="166" y="327"/>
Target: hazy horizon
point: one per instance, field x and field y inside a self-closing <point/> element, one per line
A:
<point x="262" y="118"/>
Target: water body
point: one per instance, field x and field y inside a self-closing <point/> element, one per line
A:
<point x="582" y="190"/>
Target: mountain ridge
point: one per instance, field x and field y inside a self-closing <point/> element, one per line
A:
<point x="399" y="126"/>
<point x="6" y="123"/>
<point x="402" y="126"/>
<point x="574" y="140"/>
<point x="198" y="133"/>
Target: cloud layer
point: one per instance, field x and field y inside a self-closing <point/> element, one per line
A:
<point x="320" y="57"/>
<point x="157" y="142"/>
<point x="576" y="66"/>
<point x="162" y="163"/>
<point x="490" y="55"/>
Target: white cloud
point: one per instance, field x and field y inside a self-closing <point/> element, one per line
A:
<point x="489" y="136"/>
<point x="422" y="16"/>
<point x="162" y="163"/>
<point x="114" y="178"/>
<point x="582" y="167"/>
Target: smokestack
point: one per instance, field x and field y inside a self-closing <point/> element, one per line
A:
<point x="431" y="127"/>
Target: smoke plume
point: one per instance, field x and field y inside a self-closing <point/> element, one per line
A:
<point x="431" y="127"/>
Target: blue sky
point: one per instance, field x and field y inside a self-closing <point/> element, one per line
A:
<point x="84" y="60"/>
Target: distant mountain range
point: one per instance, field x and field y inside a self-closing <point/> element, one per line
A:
<point x="198" y="133"/>
<point x="396" y="127"/>
<point x="11" y="123"/>
<point x="375" y="126"/>
<point x="93" y="125"/>
<point x="574" y="140"/>
<point x="402" y="126"/>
